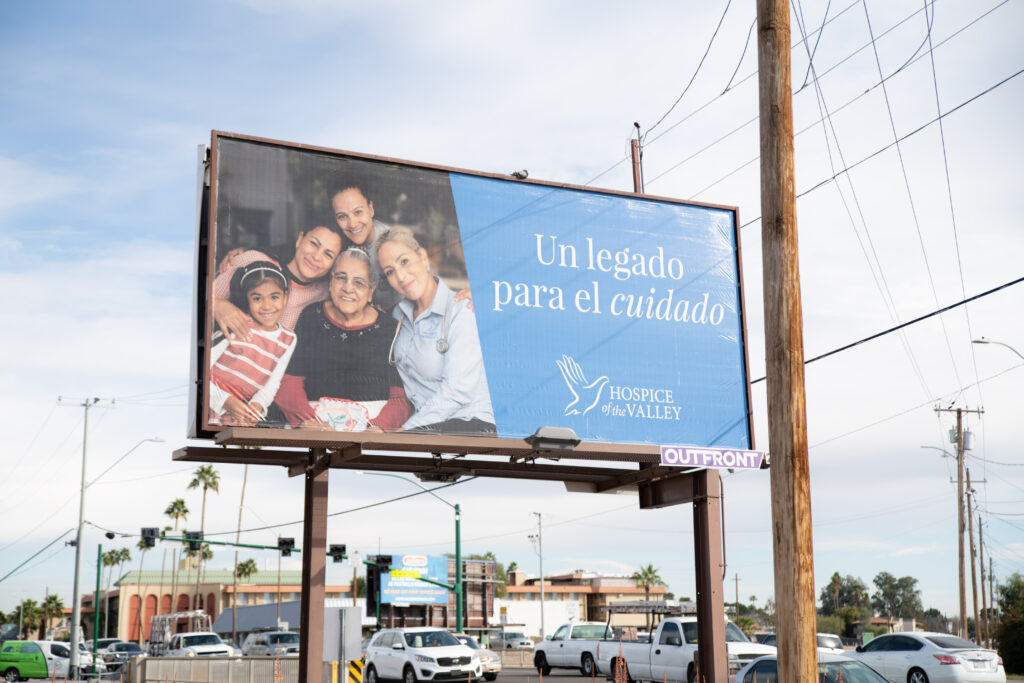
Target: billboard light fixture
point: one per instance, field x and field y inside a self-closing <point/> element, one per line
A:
<point x="553" y="439"/>
<point x="439" y="477"/>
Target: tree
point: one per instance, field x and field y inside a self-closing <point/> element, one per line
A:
<point x="53" y="611"/>
<point x="109" y="560"/>
<point x="847" y="591"/>
<point x="647" y="577"/>
<point x="246" y="569"/>
<point x="1011" y="596"/>
<point x="746" y="625"/>
<point x="896" y="597"/>
<point x="30" y="613"/>
<point x="177" y="511"/>
<point x="141" y="545"/>
<point x="512" y="566"/>
<point x="207" y="478"/>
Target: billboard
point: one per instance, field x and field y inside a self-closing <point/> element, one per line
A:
<point x="355" y="293"/>
<point x="401" y="585"/>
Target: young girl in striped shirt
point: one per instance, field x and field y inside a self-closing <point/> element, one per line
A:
<point x="245" y="375"/>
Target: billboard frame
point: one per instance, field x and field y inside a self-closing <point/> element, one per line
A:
<point x="202" y="324"/>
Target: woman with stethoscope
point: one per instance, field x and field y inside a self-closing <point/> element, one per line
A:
<point x="436" y="348"/>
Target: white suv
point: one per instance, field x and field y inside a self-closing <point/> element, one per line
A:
<point x="271" y="644"/>
<point x="419" y="654"/>
<point x="198" y="644"/>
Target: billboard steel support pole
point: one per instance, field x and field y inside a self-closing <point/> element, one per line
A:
<point x="784" y="352"/>
<point x="712" y="663"/>
<point x="314" y="567"/>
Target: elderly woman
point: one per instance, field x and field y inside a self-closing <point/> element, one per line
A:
<point x="306" y="269"/>
<point x="342" y="354"/>
<point x="437" y="349"/>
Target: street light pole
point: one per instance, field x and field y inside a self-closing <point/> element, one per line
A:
<point x="989" y="341"/>
<point x="76" y="612"/>
<point x="458" y="544"/>
<point x="540" y="554"/>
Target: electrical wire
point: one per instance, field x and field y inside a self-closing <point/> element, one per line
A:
<point x="910" y="194"/>
<point x="692" y="78"/>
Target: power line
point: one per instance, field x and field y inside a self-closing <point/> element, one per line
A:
<point x="906" y="324"/>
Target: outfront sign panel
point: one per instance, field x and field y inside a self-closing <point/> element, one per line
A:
<point x="618" y="316"/>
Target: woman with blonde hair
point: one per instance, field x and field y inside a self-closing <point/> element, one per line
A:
<point x="437" y="347"/>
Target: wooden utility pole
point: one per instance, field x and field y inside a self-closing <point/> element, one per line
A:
<point x="736" y="579"/>
<point x="984" y="606"/>
<point x="961" y="525"/>
<point x="974" y="574"/>
<point x="784" y="353"/>
<point x="634" y="150"/>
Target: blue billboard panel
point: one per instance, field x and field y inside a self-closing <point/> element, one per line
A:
<point x="617" y="317"/>
<point x="401" y="587"/>
<point x="359" y="294"/>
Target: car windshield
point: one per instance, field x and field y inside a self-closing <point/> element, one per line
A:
<point x="283" y="638"/>
<point x="205" y="639"/>
<point x="847" y="672"/>
<point x="733" y="634"/>
<point x="126" y="647"/>
<point x="468" y="642"/>
<point x="430" y="639"/>
<point x="950" y="642"/>
<point x="512" y="635"/>
<point x="830" y="641"/>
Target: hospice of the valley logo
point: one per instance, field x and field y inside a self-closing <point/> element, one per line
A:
<point x="642" y="403"/>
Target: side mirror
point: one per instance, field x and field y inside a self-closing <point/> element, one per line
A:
<point x="860" y="648"/>
<point x="548" y="637"/>
<point x="397" y="646"/>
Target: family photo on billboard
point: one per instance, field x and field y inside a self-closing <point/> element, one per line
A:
<point x="361" y="294"/>
<point x="339" y="298"/>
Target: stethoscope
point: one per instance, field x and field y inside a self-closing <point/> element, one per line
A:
<point x="441" y="345"/>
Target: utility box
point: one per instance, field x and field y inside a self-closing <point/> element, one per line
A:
<point x="343" y="633"/>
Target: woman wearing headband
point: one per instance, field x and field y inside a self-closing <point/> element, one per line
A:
<point x="306" y="269"/>
<point x="437" y="348"/>
<point x="340" y="368"/>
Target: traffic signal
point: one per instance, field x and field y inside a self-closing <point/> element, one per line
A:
<point x="337" y="552"/>
<point x="194" y="540"/>
<point x="383" y="561"/>
<point x="285" y="545"/>
<point x="149" y="534"/>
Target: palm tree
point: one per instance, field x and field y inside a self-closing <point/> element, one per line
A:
<point x="646" y="578"/>
<point x="141" y="545"/>
<point x="177" y="511"/>
<point x="246" y="569"/>
<point x="109" y="559"/>
<point x="163" y="566"/>
<point x="53" y="609"/>
<point x="31" y="613"/>
<point x="207" y="478"/>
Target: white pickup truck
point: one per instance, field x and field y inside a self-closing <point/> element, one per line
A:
<point x="669" y="654"/>
<point x="573" y="646"/>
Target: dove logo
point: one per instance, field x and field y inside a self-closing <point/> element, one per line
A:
<point x="585" y="395"/>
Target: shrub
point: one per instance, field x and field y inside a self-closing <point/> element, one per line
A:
<point x="1010" y="635"/>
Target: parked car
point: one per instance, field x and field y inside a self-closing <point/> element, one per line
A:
<point x="420" y="654"/>
<point x="102" y="644"/>
<point x="120" y="653"/>
<point x="670" y="654"/>
<point x="574" y="646"/>
<point x="831" y="669"/>
<point x="829" y="642"/>
<point x="511" y="640"/>
<point x="490" y="661"/>
<point x="198" y="644"/>
<point x="923" y="656"/>
<point x="762" y="637"/>
<point x="271" y="644"/>
<point x="40" y="659"/>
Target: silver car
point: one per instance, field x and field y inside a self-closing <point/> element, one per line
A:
<point x="926" y="657"/>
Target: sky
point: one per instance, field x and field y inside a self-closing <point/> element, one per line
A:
<point x="104" y="106"/>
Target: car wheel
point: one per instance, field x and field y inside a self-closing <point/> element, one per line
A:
<point x="916" y="675"/>
<point x="371" y="675"/>
<point x="620" y="671"/>
<point x="11" y="675"/>
<point x="541" y="663"/>
<point x="691" y="674"/>
<point x="490" y="677"/>
<point x="587" y="665"/>
<point x="408" y="675"/>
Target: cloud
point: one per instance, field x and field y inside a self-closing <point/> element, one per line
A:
<point x="22" y="184"/>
